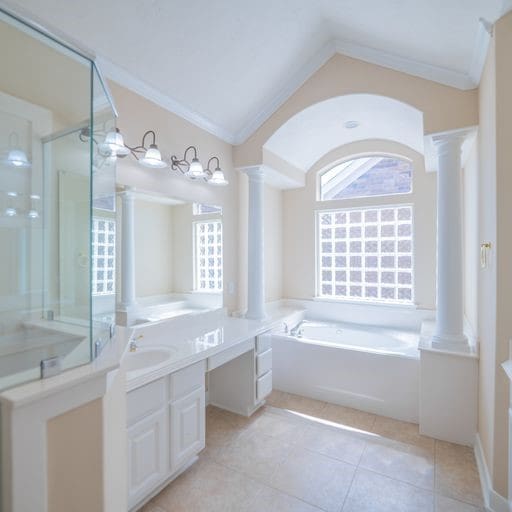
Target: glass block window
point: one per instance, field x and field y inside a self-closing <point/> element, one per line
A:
<point x="208" y="256"/>
<point x="103" y="256"/>
<point x="205" y="209"/>
<point x="365" y="177"/>
<point x="366" y="254"/>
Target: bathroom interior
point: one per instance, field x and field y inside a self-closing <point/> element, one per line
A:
<point x="298" y="304"/>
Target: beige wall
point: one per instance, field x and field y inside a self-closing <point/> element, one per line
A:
<point x="443" y="107"/>
<point x="495" y="282"/>
<point x="174" y="134"/>
<point x="153" y="248"/>
<point x="75" y="460"/>
<point x="299" y="222"/>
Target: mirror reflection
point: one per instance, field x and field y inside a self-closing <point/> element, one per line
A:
<point x="184" y="241"/>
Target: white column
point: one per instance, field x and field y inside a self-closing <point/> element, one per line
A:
<point x="450" y="305"/>
<point x="128" y="297"/>
<point x="256" y="255"/>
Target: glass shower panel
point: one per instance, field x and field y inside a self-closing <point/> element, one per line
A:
<point x="54" y="112"/>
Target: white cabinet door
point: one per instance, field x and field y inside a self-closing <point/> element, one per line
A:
<point x="187" y="427"/>
<point x="147" y="455"/>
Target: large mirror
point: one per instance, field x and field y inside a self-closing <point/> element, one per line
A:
<point x="178" y="249"/>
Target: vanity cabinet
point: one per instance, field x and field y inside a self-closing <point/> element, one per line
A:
<point x="166" y="429"/>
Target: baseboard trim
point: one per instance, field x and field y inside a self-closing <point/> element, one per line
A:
<point x="493" y="501"/>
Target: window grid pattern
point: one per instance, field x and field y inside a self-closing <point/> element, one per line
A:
<point x="366" y="254"/>
<point x="103" y="256"/>
<point x="208" y="256"/>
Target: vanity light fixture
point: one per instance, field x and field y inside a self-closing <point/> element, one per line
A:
<point x="16" y="157"/>
<point x="149" y="156"/>
<point x="216" y="177"/>
<point x="193" y="169"/>
<point x="152" y="157"/>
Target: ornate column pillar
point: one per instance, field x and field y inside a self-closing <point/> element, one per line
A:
<point x="256" y="246"/>
<point x="128" y="296"/>
<point x="450" y="305"/>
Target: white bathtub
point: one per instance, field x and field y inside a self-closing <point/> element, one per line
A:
<point x="371" y="368"/>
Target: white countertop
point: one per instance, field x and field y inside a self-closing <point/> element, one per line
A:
<point x="191" y="343"/>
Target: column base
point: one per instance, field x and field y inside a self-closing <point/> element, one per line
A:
<point x="451" y="342"/>
<point x="250" y="315"/>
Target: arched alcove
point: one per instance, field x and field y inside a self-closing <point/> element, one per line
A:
<point x="315" y="131"/>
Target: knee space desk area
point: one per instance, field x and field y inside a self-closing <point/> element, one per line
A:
<point x="173" y="370"/>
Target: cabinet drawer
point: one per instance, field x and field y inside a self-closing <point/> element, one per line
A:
<point x="264" y="386"/>
<point x="187" y="379"/>
<point x="145" y="400"/>
<point x="263" y="342"/>
<point x="264" y="362"/>
<point x="230" y="353"/>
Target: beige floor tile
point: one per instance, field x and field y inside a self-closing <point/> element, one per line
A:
<point x="401" y="461"/>
<point x="150" y="507"/>
<point x="208" y="487"/>
<point x="270" y="500"/>
<point x="276" y="398"/>
<point x="220" y="433"/>
<point x="402" y="431"/>
<point x="255" y="454"/>
<point x="314" y="478"/>
<point x="457" y="473"/>
<point x="333" y="442"/>
<point x="444" y="504"/>
<point x="282" y="427"/>
<point x="301" y="404"/>
<point x="371" y="492"/>
<point x="349" y="417"/>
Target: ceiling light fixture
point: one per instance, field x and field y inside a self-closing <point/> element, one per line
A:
<point x="351" y="124"/>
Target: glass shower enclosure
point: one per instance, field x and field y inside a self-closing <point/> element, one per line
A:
<point x="57" y="206"/>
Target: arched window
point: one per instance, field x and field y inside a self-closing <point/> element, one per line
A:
<point x="366" y="252"/>
<point x="366" y="176"/>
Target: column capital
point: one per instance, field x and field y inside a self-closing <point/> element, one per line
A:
<point x="450" y="142"/>
<point x="127" y="193"/>
<point x="254" y="171"/>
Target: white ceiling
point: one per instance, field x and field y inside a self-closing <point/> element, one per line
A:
<point x="312" y="133"/>
<point x="228" y="64"/>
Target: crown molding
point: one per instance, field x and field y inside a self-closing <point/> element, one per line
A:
<point x="298" y="78"/>
<point x="128" y="80"/>
<point x="411" y="67"/>
<point x="506" y="7"/>
<point x="483" y="38"/>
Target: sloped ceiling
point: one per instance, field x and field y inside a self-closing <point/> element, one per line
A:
<point x="228" y="65"/>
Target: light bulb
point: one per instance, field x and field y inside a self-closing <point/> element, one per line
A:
<point x="12" y="194"/>
<point x="218" y="178"/>
<point x="32" y="214"/>
<point x="35" y="196"/>
<point x="196" y="169"/>
<point x="17" y="158"/>
<point x="114" y="144"/>
<point x="10" y="212"/>
<point x="153" y="158"/>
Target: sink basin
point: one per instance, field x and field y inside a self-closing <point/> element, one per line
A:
<point x="146" y="358"/>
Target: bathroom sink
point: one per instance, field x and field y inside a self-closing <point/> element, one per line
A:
<point x="146" y="358"/>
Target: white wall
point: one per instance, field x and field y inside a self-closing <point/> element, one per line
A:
<point x="299" y="222"/>
<point x="470" y="235"/>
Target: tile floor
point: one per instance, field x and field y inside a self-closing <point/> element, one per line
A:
<point x="303" y="455"/>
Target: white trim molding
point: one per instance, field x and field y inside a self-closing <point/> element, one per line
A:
<point x="128" y="80"/>
<point x="493" y="501"/>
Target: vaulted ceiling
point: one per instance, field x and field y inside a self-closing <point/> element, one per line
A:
<point x="227" y="65"/>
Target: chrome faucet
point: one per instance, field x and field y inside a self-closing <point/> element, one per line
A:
<point x="296" y="330"/>
<point x="133" y="342"/>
